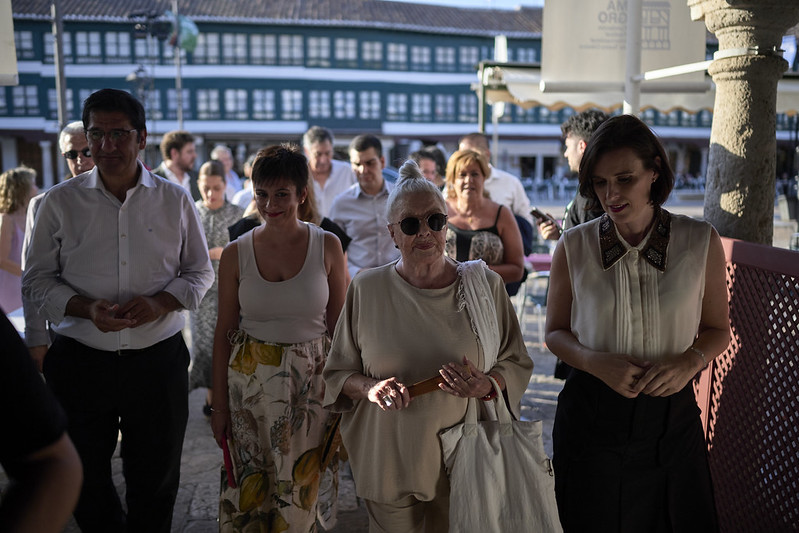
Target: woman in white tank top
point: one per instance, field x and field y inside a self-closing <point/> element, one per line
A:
<point x="281" y="288"/>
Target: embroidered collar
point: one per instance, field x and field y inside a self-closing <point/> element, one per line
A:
<point x="612" y="248"/>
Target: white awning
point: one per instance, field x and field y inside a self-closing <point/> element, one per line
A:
<point x="8" y="53"/>
<point x="520" y="85"/>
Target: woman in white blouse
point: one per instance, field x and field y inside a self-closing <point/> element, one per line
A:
<point x="638" y="306"/>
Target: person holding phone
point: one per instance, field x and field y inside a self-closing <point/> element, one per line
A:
<point x="576" y="131"/>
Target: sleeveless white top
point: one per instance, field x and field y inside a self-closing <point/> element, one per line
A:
<point x="643" y="300"/>
<point x="290" y="311"/>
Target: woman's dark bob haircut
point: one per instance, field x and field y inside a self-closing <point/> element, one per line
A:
<point x="280" y="162"/>
<point x="626" y="131"/>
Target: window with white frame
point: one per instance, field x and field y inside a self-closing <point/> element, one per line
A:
<point x="49" y="47"/>
<point x="421" y="107"/>
<point x="25" y="99"/>
<point x="318" y="51"/>
<point x="117" y="47"/>
<point x="397" y="55"/>
<point x="263" y="49"/>
<point x="526" y="115"/>
<point x="445" y="58"/>
<point x="319" y="104"/>
<point x="234" y="48"/>
<point x="397" y="106"/>
<point x="290" y="51"/>
<point x="372" y="54"/>
<point x="172" y="103"/>
<point x="52" y="103"/>
<point x="346" y="52"/>
<point x="469" y="57"/>
<point x="421" y="58"/>
<point x="23" y="40"/>
<point x="83" y="94"/>
<point x="88" y="47"/>
<point x="208" y="104"/>
<point x="344" y="104"/>
<point x="236" y="104"/>
<point x="169" y="52"/>
<point x="467" y="107"/>
<point x="263" y="104"/>
<point x="146" y="50"/>
<point x="207" y="50"/>
<point x="705" y="118"/>
<point x="152" y="104"/>
<point x="445" y="108"/>
<point x="526" y="55"/>
<point x="369" y="105"/>
<point x="290" y="104"/>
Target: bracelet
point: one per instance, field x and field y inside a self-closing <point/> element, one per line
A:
<point x="702" y="355"/>
<point x="490" y="396"/>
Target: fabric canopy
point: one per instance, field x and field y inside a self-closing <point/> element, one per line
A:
<point x="520" y="85"/>
<point x="8" y="54"/>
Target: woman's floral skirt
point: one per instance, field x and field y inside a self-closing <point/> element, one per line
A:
<point x="284" y="474"/>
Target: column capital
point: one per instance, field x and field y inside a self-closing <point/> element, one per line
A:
<point x="746" y="23"/>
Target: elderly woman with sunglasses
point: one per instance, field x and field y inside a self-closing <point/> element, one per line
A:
<point x="405" y="322"/>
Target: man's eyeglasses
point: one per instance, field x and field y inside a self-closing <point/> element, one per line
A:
<point x="112" y="135"/>
<point x="411" y="225"/>
<point x="73" y="154"/>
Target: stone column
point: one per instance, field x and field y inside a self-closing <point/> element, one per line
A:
<point x="742" y="160"/>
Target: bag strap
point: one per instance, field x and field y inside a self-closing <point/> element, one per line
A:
<point x="503" y="415"/>
<point x="474" y="293"/>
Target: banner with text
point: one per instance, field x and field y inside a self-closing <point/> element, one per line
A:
<point x="584" y="41"/>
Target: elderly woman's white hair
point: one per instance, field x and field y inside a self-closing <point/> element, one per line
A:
<point x="410" y="182"/>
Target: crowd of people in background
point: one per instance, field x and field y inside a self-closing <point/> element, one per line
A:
<point x="317" y="291"/>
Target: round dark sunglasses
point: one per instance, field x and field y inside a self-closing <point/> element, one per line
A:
<point x="411" y="225"/>
<point x="73" y="154"/>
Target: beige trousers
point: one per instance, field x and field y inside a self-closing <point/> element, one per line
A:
<point x="410" y="515"/>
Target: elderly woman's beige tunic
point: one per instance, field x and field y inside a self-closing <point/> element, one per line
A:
<point x="391" y="328"/>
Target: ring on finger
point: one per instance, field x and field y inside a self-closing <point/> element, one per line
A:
<point x="386" y="399"/>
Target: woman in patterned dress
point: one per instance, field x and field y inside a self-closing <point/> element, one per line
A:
<point x="216" y="215"/>
<point x="281" y="289"/>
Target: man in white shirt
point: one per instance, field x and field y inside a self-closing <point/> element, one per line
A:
<point x="115" y="254"/>
<point x="504" y="187"/>
<point x="331" y="177"/>
<point x="361" y="209"/>
<point x="224" y="155"/>
<point x="180" y="154"/>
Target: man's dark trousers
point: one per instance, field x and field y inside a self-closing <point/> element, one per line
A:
<point x="142" y="393"/>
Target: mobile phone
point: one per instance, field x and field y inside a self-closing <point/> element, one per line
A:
<point x="229" y="469"/>
<point x="540" y="215"/>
